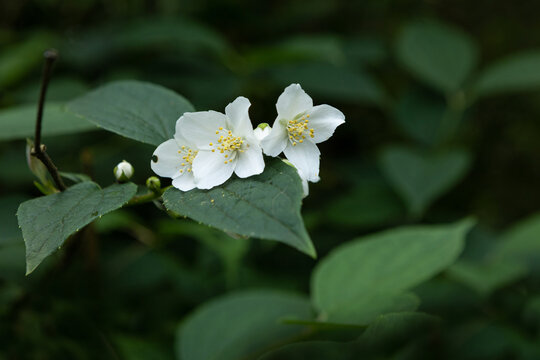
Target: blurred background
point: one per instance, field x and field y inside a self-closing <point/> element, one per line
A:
<point x="442" y="107"/>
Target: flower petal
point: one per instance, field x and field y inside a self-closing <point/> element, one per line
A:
<point x="184" y="182"/>
<point x="293" y="101"/>
<point x="181" y="139"/>
<point x="168" y="162"/>
<point x="274" y="143"/>
<point x="238" y="115"/>
<point x="324" y="119"/>
<point x="250" y="162"/>
<point x="200" y="127"/>
<point x="210" y="170"/>
<point x="305" y="157"/>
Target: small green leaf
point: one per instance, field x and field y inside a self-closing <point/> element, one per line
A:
<point x="315" y="350"/>
<point x="265" y="206"/>
<point x="421" y="118"/>
<point x="420" y="178"/>
<point x="10" y="232"/>
<point x="394" y="328"/>
<point x="438" y="54"/>
<point x="134" y="109"/>
<point x="518" y="72"/>
<point x="19" y="122"/>
<point x="18" y="60"/>
<point x="371" y="203"/>
<point x="239" y="325"/>
<point x="377" y="268"/>
<point x="47" y="221"/>
<point x="486" y="277"/>
<point x="520" y="243"/>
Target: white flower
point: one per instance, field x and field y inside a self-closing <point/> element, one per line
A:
<point x="305" y="186"/>
<point x="174" y="159"/>
<point x="262" y="131"/>
<point x="298" y="127"/>
<point x="226" y="144"/>
<point x="123" y="171"/>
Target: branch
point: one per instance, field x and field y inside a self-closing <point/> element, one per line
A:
<point x="39" y="149"/>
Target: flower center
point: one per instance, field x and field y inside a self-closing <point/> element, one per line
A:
<point x="297" y="127"/>
<point x="187" y="156"/>
<point x="228" y="144"/>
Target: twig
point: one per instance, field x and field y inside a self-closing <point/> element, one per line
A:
<point x="39" y="149"/>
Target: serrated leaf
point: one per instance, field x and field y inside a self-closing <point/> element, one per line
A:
<point x="517" y="72"/>
<point x="420" y="177"/>
<point x="19" y="122"/>
<point x="353" y="280"/>
<point x="134" y="109"/>
<point x="239" y="325"/>
<point x="265" y="206"/>
<point x="438" y="54"/>
<point x="47" y="221"/>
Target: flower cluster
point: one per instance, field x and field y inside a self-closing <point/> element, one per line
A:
<point x="209" y="146"/>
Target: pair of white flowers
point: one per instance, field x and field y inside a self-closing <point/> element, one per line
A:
<point x="208" y="146"/>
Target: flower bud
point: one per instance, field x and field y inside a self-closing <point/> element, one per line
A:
<point x="153" y="184"/>
<point x="123" y="171"/>
<point x="262" y="131"/>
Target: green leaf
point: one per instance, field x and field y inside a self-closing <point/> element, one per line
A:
<point x="440" y="55"/>
<point x="395" y="328"/>
<point x="420" y="178"/>
<point x="315" y="350"/>
<point x="10" y="232"/>
<point x="486" y="277"/>
<point x="265" y="206"/>
<point x="20" y="59"/>
<point x="19" y="122"/>
<point x="518" y="72"/>
<point x="134" y="109"/>
<point x="375" y="269"/>
<point x="520" y="243"/>
<point x="421" y="118"/>
<point x="134" y="348"/>
<point x="239" y="325"/>
<point x="326" y="48"/>
<point x="47" y="221"/>
<point x="371" y="203"/>
<point x="331" y="82"/>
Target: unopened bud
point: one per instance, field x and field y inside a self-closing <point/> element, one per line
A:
<point x="153" y="184"/>
<point x="123" y="171"/>
<point x="262" y="131"/>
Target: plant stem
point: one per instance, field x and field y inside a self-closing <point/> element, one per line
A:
<point x="150" y="196"/>
<point x="39" y="149"/>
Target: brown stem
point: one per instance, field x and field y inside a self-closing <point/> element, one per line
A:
<point x="39" y="149"/>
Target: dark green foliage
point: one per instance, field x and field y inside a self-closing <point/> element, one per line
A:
<point x="441" y="106"/>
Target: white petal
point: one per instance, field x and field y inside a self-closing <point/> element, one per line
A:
<point x="293" y="101"/>
<point x="200" y="127"/>
<point x="324" y="119"/>
<point x="305" y="157"/>
<point x="210" y="170"/>
<point x="238" y="115"/>
<point x="274" y="143"/>
<point x="169" y="162"/>
<point x="181" y="139"/>
<point x="305" y="185"/>
<point x="262" y="133"/>
<point x="250" y="162"/>
<point x="184" y="182"/>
